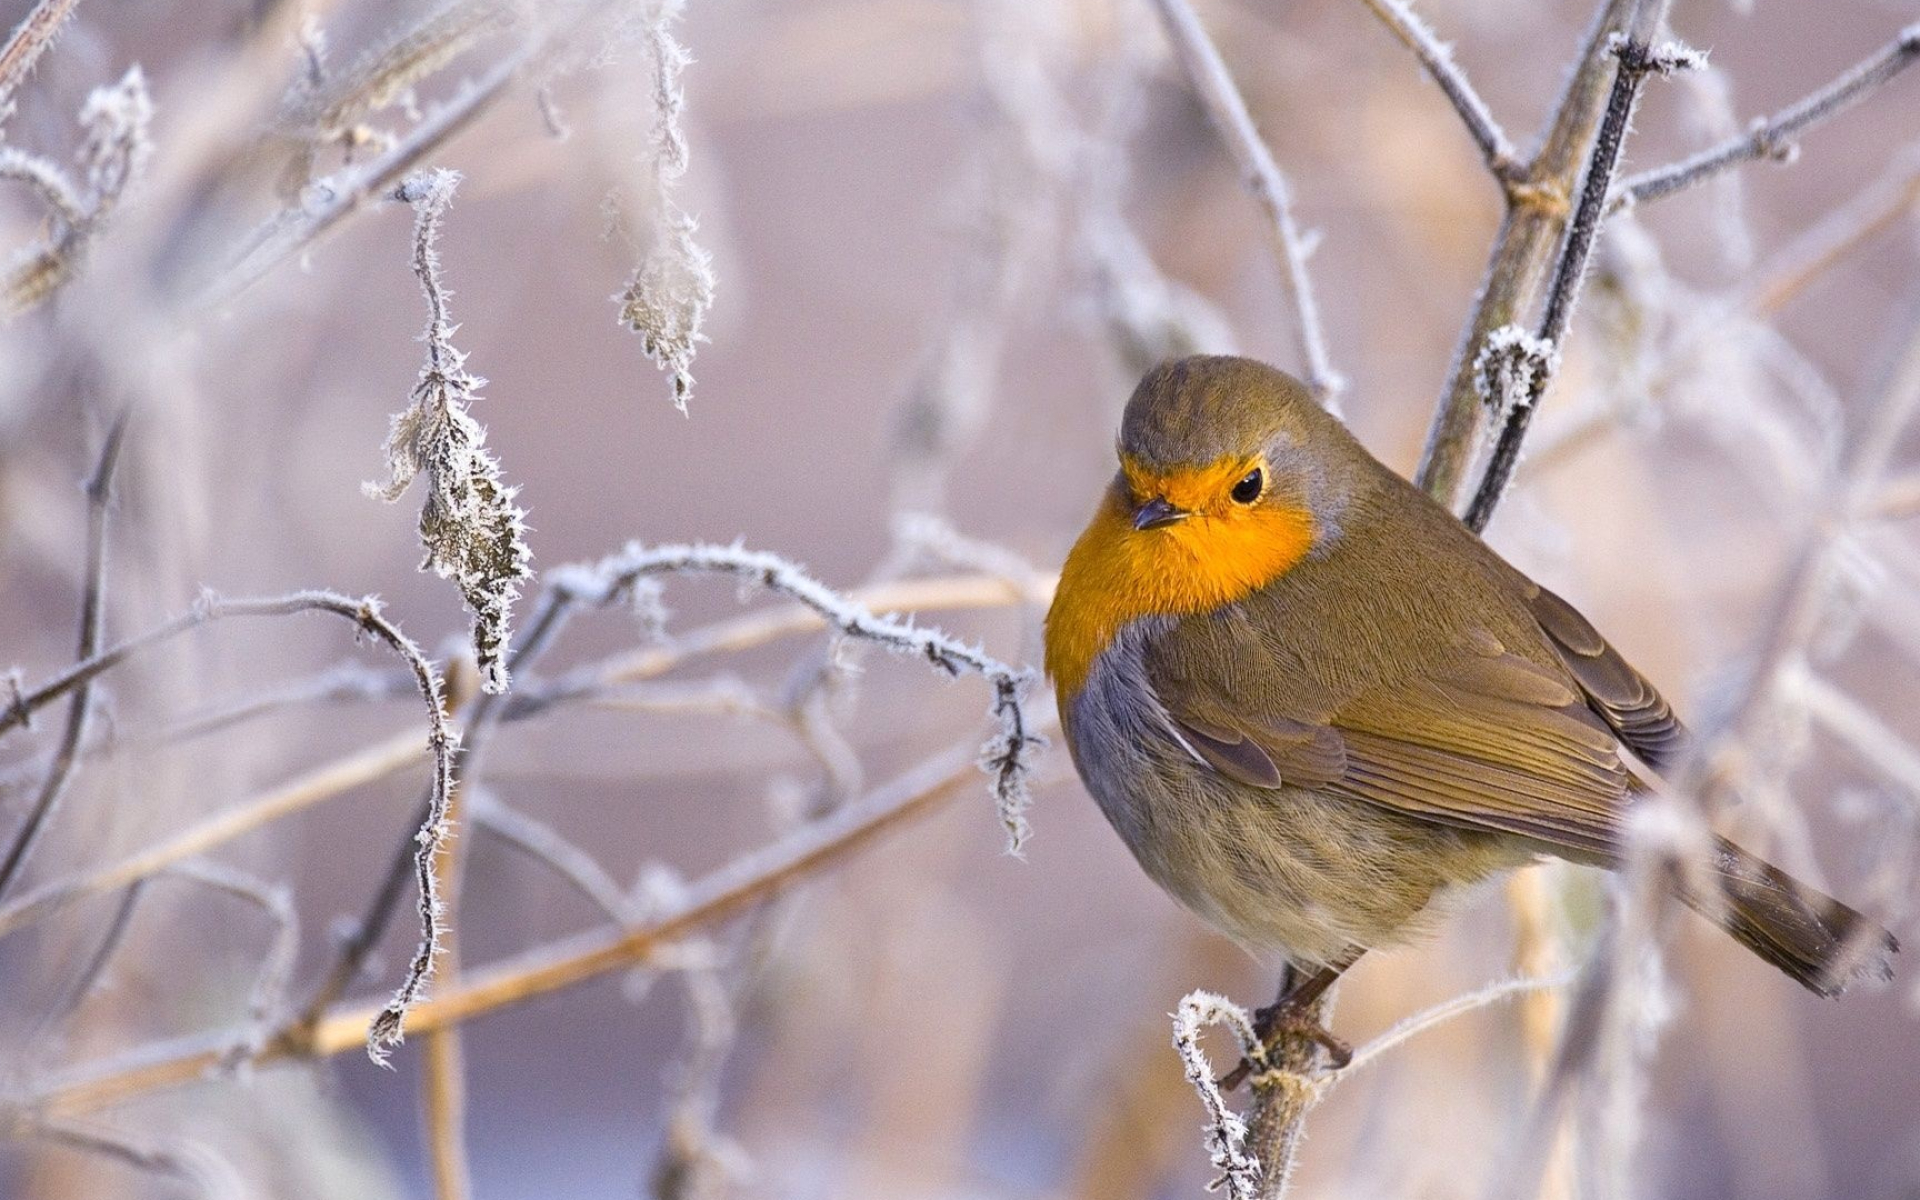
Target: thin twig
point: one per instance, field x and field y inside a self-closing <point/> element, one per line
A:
<point x="1891" y="198"/>
<point x="1007" y="757"/>
<point x="212" y="1177"/>
<point x="1523" y="253"/>
<point x="295" y="796"/>
<point x="1540" y="355"/>
<point x="1437" y="58"/>
<point x="1225" y="1130"/>
<point x="545" y="845"/>
<point x="89" y="976"/>
<point x="1772" y="137"/>
<point x="29" y="40"/>
<point x="293" y="231"/>
<point x="735" y="888"/>
<point x="1497" y="992"/>
<point x="441" y="744"/>
<point x="1215" y="89"/>
<point x="93" y="602"/>
<point x="396" y="754"/>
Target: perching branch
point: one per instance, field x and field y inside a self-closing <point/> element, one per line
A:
<point x="1215" y="90"/>
<point x="1436" y="57"/>
<point x="1772" y="137"/>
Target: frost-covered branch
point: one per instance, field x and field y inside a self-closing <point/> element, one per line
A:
<point x="291" y="232"/>
<point x="728" y="892"/>
<point x="1772" y="137"/>
<point x="1436" y="57"/>
<point x="1225" y="1130"/>
<point x="114" y="148"/>
<point x="441" y="744"/>
<point x="93" y="602"/>
<point x="474" y="533"/>
<point x="1007" y="758"/>
<point x="1516" y="369"/>
<point x="1214" y="87"/>
<point x="29" y="40"/>
<point x="1539" y="204"/>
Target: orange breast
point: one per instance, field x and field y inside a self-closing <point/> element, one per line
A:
<point x="1116" y="574"/>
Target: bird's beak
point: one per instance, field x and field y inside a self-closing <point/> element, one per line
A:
<point x="1156" y="513"/>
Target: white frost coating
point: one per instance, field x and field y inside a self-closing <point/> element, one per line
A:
<point x="667" y="299"/>
<point x="473" y="532"/>
<point x="1226" y="1130"/>
<point x="1007" y="756"/>
<point x="1513" y="368"/>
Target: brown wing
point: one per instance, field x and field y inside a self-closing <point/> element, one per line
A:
<point x="1624" y="698"/>
<point x="1481" y="739"/>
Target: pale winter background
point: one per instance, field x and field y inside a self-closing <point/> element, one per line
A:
<point x="943" y="238"/>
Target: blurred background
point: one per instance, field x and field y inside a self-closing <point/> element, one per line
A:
<point x="946" y="236"/>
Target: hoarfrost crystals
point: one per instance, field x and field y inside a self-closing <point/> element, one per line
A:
<point x="473" y="531"/>
<point x="1226" y="1130"/>
<point x="667" y="299"/>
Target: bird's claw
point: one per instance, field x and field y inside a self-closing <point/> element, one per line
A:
<point x="1278" y="1022"/>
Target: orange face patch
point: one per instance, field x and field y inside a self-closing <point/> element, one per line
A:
<point x="1219" y="554"/>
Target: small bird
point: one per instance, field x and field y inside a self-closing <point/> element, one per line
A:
<point x="1310" y="700"/>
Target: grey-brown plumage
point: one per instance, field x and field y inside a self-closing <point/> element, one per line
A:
<point x="1396" y="712"/>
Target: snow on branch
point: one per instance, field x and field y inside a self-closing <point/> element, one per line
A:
<point x="473" y="532"/>
<point x="1007" y="757"/>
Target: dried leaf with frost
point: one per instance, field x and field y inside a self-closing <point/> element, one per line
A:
<point x="473" y="531"/>
<point x="667" y="299"/>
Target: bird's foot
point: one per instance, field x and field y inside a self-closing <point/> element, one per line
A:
<point x="1281" y="1022"/>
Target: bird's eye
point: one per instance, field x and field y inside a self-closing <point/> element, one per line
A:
<point x="1248" y="489"/>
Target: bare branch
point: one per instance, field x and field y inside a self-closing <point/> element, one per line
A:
<point x="297" y="795"/>
<point x="93" y="601"/>
<point x="1214" y="88"/>
<point x="1437" y="57"/>
<point x="544" y="844"/>
<point x="1772" y="137"/>
<point x="29" y="41"/>
<point x="210" y="1176"/>
<point x="1523" y="255"/>
<point x="1498" y="992"/>
<point x="294" y="230"/>
<point x="1007" y="758"/>
<point x="1636" y="61"/>
<point x="735" y="888"/>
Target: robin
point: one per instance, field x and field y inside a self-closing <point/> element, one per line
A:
<point x="1310" y="700"/>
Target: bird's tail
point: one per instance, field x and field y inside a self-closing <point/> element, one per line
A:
<point x="1806" y="933"/>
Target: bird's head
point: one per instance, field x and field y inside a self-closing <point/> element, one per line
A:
<point x="1230" y="476"/>
<point x="1221" y="452"/>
